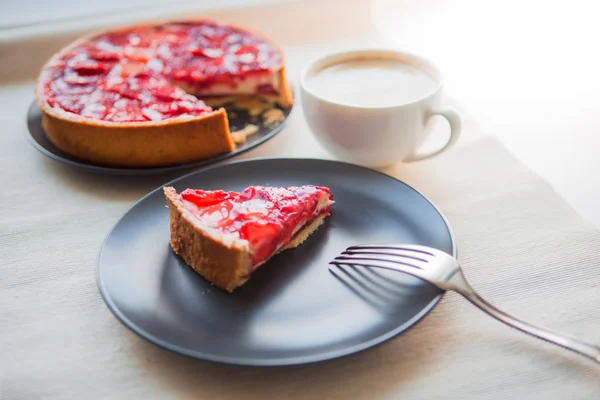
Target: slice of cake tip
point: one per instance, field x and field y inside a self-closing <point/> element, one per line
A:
<point x="224" y="236"/>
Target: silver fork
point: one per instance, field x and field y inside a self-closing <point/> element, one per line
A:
<point x="443" y="271"/>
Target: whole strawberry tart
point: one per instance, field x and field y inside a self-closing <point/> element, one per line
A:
<point x="133" y="97"/>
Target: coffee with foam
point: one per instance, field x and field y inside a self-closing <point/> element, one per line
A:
<point x="371" y="82"/>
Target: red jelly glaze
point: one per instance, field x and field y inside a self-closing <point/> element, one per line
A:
<point x="264" y="216"/>
<point x="127" y="75"/>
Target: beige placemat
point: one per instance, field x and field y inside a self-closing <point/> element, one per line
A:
<point x="517" y="240"/>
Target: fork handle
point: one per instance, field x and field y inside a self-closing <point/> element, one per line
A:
<point x="461" y="286"/>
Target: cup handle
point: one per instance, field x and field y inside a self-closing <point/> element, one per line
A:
<point x="455" y="128"/>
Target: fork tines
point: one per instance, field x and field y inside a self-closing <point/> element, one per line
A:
<point x="392" y="248"/>
<point x="398" y="258"/>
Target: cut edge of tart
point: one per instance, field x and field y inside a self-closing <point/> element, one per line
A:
<point x="199" y="134"/>
<point x="226" y="247"/>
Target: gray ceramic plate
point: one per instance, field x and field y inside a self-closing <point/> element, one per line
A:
<point x="293" y="310"/>
<point x="39" y="140"/>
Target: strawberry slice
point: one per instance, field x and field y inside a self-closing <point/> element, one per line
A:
<point x="210" y="53"/>
<point x="70" y="104"/>
<point x="165" y="92"/>
<point x="91" y="67"/>
<point x="263" y="236"/>
<point x="202" y="198"/>
<point x="102" y="55"/>
<point x="245" y="49"/>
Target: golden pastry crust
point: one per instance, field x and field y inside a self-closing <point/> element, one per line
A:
<point x="140" y="144"/>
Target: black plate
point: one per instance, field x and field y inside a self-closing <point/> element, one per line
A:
<point x="39" y="140"/>
<point x="293" y="310"/>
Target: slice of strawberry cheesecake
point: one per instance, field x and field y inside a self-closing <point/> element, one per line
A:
<point x="225" y="236"/>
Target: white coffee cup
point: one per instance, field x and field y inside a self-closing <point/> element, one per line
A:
<point x="375" y="136"/>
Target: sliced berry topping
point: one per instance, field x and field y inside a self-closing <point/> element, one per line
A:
<point x="266" y="217"/>
<point x="142" y="67"/>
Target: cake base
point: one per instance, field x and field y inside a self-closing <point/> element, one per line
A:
<point x="143" y="144"/>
